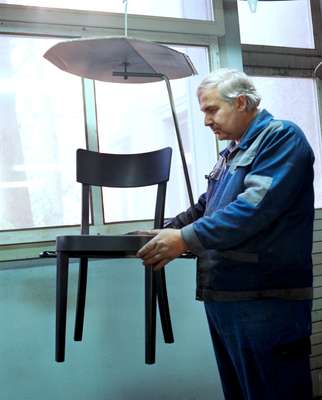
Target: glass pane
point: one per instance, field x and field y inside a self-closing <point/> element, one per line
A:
<point x="277" y="23"/>
<point x="166" y="8"/>
<point x="301" y="107"/>
<point x="41" y="125"/>
<point x="134" y="118"/>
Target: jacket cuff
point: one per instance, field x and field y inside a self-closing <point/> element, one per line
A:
<point x="190" y="237"/>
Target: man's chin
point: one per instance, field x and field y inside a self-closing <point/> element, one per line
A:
<point x="220" y="136"/>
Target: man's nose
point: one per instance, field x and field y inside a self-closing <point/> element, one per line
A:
<point x="208" y="120"/>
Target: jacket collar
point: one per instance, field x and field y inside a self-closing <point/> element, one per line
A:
<point x="255" y="128"/>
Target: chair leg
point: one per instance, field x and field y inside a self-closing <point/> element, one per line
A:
<point x="150" y="315"/>
<point x="61" y="304"/>
<point x="164" y="306"/>
<point x="81" y="297"/>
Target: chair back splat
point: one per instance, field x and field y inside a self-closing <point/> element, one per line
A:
<point x="122" y="171"/>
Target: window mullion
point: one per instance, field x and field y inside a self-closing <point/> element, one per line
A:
<point x="92" y="144"/>
<point x="83" y="22"/>
<point x="319" y="99"/>
<point x="316" y="10"/>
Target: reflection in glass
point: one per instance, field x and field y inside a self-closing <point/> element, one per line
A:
<point x="41" y="126"/>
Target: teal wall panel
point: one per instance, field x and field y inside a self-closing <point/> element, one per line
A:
<point x="109" y="363"/>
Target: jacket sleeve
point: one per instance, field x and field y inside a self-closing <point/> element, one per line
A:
<point x="280" y="170"/>
<point x="189" y="216"/>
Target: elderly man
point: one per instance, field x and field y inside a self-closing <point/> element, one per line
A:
<point x="252" y="234"/>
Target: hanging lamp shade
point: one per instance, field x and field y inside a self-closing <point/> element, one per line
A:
<point x="100" y="58"/>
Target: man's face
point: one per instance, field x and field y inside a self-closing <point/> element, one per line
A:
<point x="226" y="120"/>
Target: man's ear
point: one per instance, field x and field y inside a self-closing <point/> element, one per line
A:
<point x="241" y="103"/>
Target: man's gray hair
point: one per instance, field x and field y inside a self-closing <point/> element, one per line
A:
<point x="230" y="84"/>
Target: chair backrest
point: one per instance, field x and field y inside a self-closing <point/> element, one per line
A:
<point x="123" y="171"/>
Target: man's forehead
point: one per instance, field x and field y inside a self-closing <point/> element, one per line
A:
<point x="208" y="96"/>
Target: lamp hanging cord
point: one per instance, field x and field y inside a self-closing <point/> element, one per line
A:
<point x="125" y="16"/>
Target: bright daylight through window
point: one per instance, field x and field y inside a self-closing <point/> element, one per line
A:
<point x="41" y="125"/>
<point x="43" y="122"/>
<point x="191" y="9"/>
<point x="277" y="23"/>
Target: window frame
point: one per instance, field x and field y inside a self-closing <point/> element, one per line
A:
<point x="79" y="23"/>
<point x="286" y="61"/>
<point x="277" y="61"/>
<point x="26" y="244"/>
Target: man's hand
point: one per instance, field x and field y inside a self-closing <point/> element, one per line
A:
<point x="167" y="245"/>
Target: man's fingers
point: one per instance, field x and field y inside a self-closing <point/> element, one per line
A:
<point x="152" y="259"/>
<point x="161" y="249"/>
<point x="158" y="266"/>
<point x="146" y="248"/>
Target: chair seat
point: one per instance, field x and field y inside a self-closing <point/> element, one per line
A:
<point x="125" y="245"/>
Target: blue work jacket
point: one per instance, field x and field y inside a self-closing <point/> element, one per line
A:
<point x="252" y="229"/>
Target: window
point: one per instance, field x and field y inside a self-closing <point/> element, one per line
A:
<point x="137" y="118"/>
<point x="41" y="125"/>
<point x="166" y="8"/>
<point x="277" y="23"/>
<point x="301" y="107"/>
<point x="47" y="113"/>
<point x="281" y="46"/>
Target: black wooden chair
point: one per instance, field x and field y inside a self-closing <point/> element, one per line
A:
<point x="114" y="170"/>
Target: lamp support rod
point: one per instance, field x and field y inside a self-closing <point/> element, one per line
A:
<point x="127" y="74"/>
